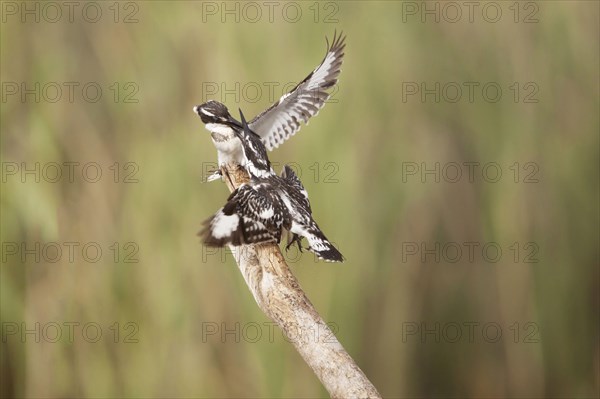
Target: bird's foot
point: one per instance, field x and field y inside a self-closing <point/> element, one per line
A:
<point x="215" y="175"/>
<point x="295" y="239"/>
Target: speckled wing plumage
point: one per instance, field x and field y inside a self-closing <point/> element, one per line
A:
<point x="282" y="120"/>
<point x="251" y="215"/>
<point x="297" y="190"/>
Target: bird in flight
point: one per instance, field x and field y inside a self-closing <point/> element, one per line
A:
<point x="267" y="206"/>
<point x="282" y="119"/>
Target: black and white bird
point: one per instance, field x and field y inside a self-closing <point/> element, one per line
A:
<point x="267" y="206"/>
<point x="282" y="119"/>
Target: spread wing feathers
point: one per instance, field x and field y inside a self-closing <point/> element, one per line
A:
<point x="298" y="192"/>
<point x="248" y="217"/>
<point x="282" y="120"/>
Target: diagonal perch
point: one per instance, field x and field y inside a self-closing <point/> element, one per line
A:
<point x="280" y="297"/>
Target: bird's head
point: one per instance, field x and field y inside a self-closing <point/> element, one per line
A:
<point x="214" y="112"/>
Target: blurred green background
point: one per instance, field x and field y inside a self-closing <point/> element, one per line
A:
<point x="420" y="313"/>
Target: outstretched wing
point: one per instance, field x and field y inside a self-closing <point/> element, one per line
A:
<point x="298" y="192"/>
<point x="248" y="217"/>
<point x="282" y="120"/>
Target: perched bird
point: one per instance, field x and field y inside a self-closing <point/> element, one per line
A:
<point x="282" y="119"/>
<point x="262" y="209"/>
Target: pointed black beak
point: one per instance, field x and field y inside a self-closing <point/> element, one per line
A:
<point x="244" y="124"/>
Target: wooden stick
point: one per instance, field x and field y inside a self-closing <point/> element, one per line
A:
<point x="280" y="297"/>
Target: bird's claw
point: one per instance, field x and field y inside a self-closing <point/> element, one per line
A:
<point x="295" y="239"/>
<point x="215" y="175"/>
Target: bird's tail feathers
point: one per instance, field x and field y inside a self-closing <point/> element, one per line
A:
<point x="321" y="246"/>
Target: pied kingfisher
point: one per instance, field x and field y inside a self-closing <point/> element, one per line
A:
<point x="262" y="209"/>
<point x="282" y="119"/>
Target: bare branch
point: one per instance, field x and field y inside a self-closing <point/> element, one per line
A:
<point x="280" y="297"/>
